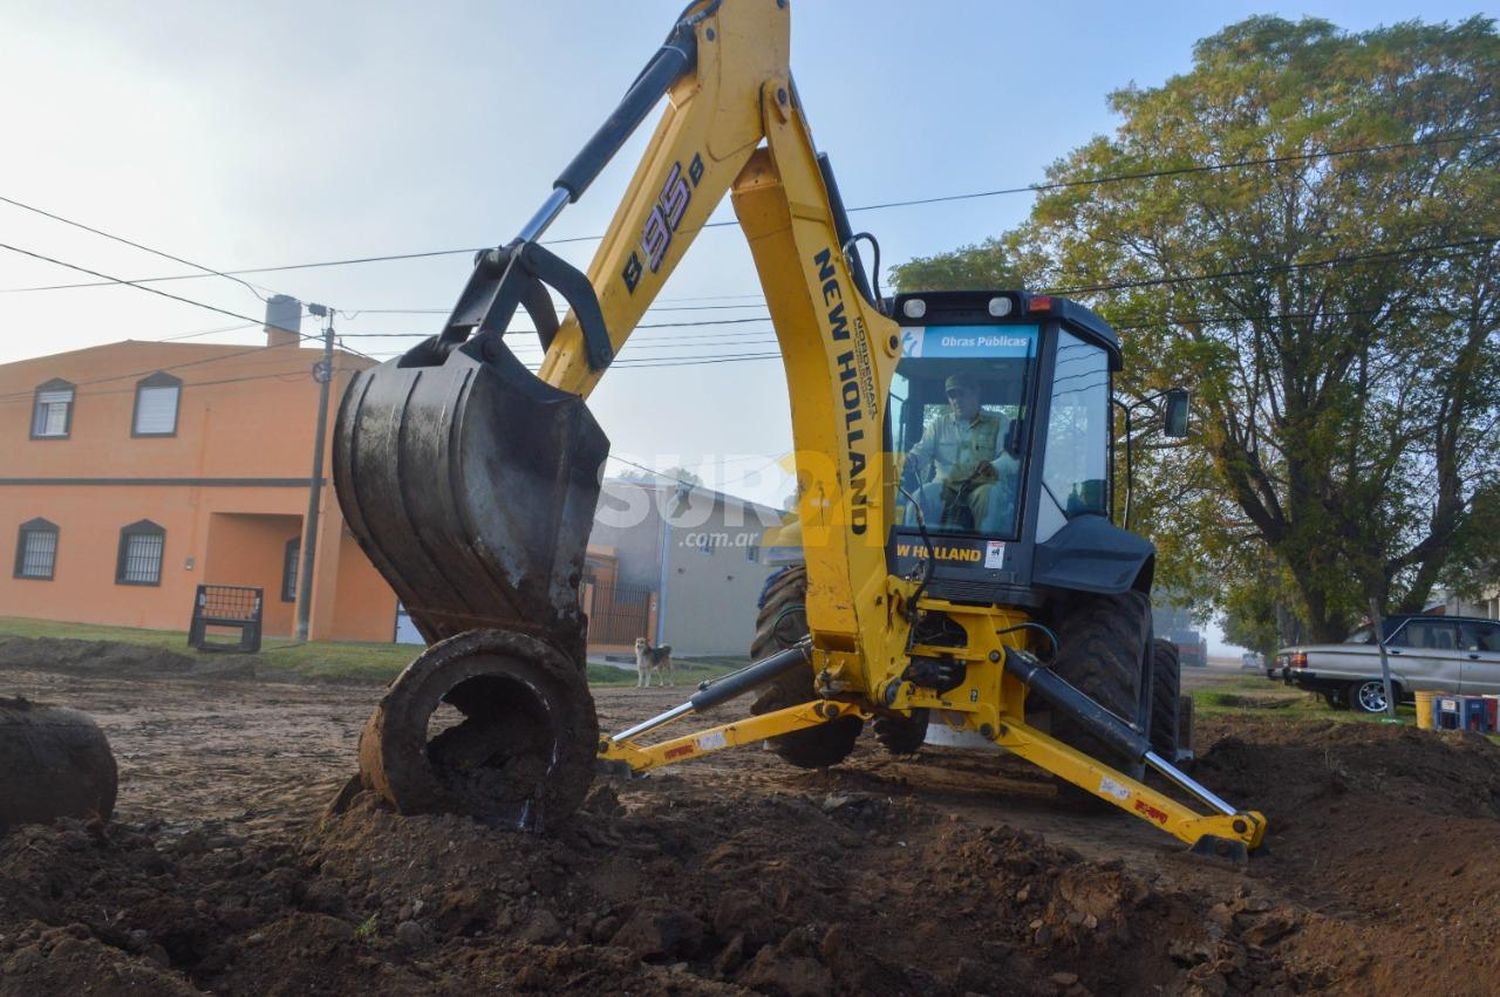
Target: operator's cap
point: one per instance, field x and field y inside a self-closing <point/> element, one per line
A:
<point x="964" y="380"/>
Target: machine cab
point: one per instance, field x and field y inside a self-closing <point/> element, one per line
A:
<point x="999" y="432"/>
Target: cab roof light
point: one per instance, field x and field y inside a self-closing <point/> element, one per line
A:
<point x="914" y="307"/>
<point x="1042" y="303"/>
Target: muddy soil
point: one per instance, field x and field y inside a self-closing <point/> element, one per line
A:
<point x="950" y="873"/>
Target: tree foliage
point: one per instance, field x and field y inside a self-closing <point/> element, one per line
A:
<point x="987" y="264"/>
<point x="1333" y="298"/>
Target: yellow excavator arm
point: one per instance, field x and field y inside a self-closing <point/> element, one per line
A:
<point x="734" y="123"/>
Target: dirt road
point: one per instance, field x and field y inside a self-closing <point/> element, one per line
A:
<point x="950" y="873"/>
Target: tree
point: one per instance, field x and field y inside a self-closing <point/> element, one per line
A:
<point x="1331" y="290"/>
<point x="983" y="265"/>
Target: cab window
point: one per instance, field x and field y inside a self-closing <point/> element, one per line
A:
<point x="959" y="411"/>
<point x="1075" y="477"/>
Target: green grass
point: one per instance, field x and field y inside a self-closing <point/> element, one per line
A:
<point x="685" y="671"/>
<point x="279" y="657"/>
<point x="1249" y="696"/>
<point x="330" y="661"/>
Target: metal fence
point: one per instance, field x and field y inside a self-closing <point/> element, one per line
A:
<point x="220" y="608"/>
<point x="618" y="614"/>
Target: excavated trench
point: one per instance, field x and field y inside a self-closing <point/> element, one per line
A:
<point x="948" y="873"/>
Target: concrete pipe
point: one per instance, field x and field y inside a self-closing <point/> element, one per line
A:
<point x="54" y="762"/>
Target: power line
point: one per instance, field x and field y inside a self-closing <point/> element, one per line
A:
<point x="136" y="245"/>
<point x="655" y="473"/>
<point x="285" y="375"/>
<point x="208" y="332"/>
<point x="355" y="313"/>
<point x="1332" y="261"/>
<point x="1181" y="171"/>
<point x="698" y="361"/>
<point x="643" y="325"/>
<point x="151" y="290"/>
<point x="629" y="355"/>
<point x="176" y="366"/>
<point x="1031" y="188"/>
<point x="683" y="481"/>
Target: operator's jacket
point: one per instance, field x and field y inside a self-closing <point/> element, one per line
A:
<point x="953" y="451"/>
<point x="947" y="457"/>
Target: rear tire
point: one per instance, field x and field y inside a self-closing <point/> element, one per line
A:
<point x="1101" y="644"/>
<point x="902" y="735"/>
<point x="1367" y="696"/>
<point x="779" y="624"/>
<point x="1166" y="686"/>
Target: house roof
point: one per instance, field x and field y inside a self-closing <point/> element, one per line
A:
<point x="188" y="351"/>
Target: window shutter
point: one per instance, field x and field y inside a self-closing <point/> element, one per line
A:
<point x="156" y="411"/>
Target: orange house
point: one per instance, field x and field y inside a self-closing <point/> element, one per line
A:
<point x="133" y="472"/>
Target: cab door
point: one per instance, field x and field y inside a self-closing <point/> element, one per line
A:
<point x="1479" y="658"/>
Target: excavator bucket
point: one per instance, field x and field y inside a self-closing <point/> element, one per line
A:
<point x="471" y="485"/>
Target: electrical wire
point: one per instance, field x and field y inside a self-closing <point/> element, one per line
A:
<point x="284" y="375"/>
<point x="151" y="290"/>
<point x="136" y="245"/>
<point x="1038" y="187"/>
<point x="1332" y="261"/>
<point x="355" y="313"/>
<point x="208" y="332"/>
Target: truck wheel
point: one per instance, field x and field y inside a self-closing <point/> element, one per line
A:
<point x="1166" y="685"/>
<point x="902" y="735"/>
<point x="781" y="623"/>
<point x="1101" y="640"/>
<point x="1368" y="696"/>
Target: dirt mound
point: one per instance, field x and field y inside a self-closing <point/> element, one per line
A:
<point x="847" y="893"/>
<point x="117" y="659"/>
<point x="943" y="873"/>
<point x="1387" y="835"/>
<point x="1282" y="767"/>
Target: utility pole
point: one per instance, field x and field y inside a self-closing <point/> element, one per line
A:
<point x="323" y="374"/>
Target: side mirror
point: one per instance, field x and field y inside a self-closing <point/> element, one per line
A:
<point x="1175" y="424"/>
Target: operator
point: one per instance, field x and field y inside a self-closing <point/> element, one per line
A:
<point x="961" y="464"/>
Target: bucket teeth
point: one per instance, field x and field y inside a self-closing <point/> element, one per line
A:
<point x="471" y="485"/>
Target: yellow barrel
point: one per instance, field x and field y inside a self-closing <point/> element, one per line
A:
<point x="1424" y="708"/>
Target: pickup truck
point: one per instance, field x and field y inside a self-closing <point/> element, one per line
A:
<point x="1454" y="654"/>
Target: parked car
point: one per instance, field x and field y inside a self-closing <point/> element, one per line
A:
<point x="1253" y="660"/>
<point x="1453" y="654"/>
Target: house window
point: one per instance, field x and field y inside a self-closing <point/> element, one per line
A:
<point x="156" y="399"/>
<point x="52" y="413"/>
<point x="36" y="550"/>
<point x="291" y="559"/>
<point x="141" y="547"/>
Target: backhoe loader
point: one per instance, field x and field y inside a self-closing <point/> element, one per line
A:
<point x="973" y="583"/>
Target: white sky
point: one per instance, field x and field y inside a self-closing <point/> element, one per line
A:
<point x="240" y="134"/>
